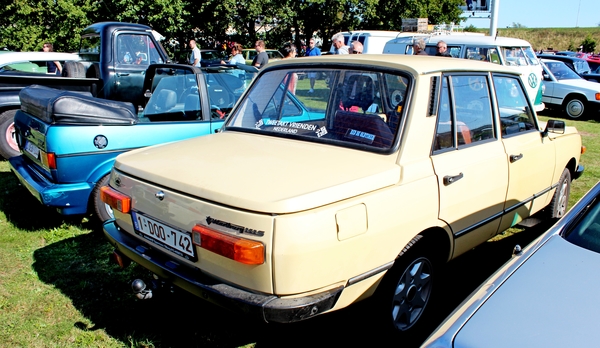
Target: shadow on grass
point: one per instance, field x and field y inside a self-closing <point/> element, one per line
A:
<point x="80" y="269"/>
<point x="24" y="211"/>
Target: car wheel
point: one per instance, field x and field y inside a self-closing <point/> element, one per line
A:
<point x="8" y="141"/>
<point x="574" y="107"/>
<point x="102" y="210"/>
<point x="560" y="200"/>
<point x="405" y="291"/>
<point x="73" y="69"/>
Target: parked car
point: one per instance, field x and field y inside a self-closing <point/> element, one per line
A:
<point x="373" y="41"/>
<point x="580" y="66"/>
<point x="249" y="55"/>
<point x="566" y="53"/>
<point x="69" y="141"/>
<point x="210" y="57"/>
<point x="32" y="62"/>
<point x="565" y="90"/>
<point x="305" y="205"/>
<point x="545" y="296"/>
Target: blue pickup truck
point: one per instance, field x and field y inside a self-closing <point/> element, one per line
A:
<point x="69" y="140"/>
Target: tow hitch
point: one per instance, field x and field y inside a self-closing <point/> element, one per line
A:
<point x="140" y="290"/>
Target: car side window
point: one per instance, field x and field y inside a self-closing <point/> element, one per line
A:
<point x="515" y="113"/>
<point x="465" y="112"/>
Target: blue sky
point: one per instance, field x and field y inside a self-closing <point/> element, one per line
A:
<point x="544" y="14"/>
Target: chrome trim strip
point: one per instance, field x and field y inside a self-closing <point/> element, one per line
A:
<point x="370" y="273"/>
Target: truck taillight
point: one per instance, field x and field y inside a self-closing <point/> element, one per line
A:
<point x="115" y="199"/>
<point x="238" y="249"/>
<point x="48" y="159"/>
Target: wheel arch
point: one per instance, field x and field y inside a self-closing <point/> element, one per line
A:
<point x="438" y="242"/>
<point x="574" y="95"/>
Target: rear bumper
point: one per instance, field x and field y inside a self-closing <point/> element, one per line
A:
<point x="68" y="199"/>
<point x="269" y="308"/>
<point x="578" y="172"/>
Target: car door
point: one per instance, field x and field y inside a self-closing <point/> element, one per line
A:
<point x="530" y="168"/>
<point x="469" y="160"/>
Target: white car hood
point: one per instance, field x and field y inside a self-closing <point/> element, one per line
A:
<point x="550" y="301"/>
<point x="581" y="83"/>
<point x="261" y="173"/>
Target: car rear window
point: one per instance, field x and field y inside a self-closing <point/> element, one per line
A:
<point x="351" y="108"/>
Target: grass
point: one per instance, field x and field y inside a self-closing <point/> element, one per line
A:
<point x="560" y="39"/>
<point x="58" y="289"/>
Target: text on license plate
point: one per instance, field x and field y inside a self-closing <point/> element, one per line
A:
<point x="173" y="239"/>
<point x="32" y="149"/>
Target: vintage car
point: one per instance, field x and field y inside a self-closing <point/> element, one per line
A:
<point x="69" y="141"/>
<point x="566" y="91"/>
<point x="34" y="63"/>
<point x="545" y="296"/>
<point x="579" y="65"/>
<point x="249" y="55"/>
<point x="309" y="202"/>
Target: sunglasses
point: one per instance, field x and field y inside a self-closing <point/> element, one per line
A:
<point x="355" y="52"/>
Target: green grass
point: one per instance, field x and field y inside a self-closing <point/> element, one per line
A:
<point x="58" y="289"/>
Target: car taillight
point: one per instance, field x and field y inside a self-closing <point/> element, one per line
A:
<point x="115" y="199"/>
<point x="48" y="159"/>
<point x="238" y="249"/>
<point x="597" y="96"/>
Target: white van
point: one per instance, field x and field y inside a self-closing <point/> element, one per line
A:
<point x="373" y="40"/>
<point x="500" y="50"/>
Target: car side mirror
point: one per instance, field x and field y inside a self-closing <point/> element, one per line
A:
<point x="555" y="126"/>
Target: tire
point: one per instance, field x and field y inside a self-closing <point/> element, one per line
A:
<point x="93" y="72"/>
<point x="102" y="211"/>
<point x="73" y="69"/>
<point x="574" y="107"/>
<point x="405" y="291"/>
<point x="8" y="141"/>
<point x="560" y="201"/>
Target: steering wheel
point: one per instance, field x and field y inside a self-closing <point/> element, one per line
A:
<point x="219" y="96"/>
<point x="475" y="83"/>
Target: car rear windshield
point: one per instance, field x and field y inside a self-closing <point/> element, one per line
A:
<point x="343" y="107"/>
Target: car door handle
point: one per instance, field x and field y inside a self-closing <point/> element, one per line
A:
<point x="514" y="158"/>
<point x="451" y="179"/>
<point x="122" y="74"/>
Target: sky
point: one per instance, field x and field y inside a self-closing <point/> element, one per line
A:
<point x="544" y="14"/>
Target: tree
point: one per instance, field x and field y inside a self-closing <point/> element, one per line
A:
<point x="588" y="44"/>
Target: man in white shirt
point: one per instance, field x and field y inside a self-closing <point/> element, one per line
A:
<point x="195" y="55"/>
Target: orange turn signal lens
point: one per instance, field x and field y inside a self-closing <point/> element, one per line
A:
<point x="583" y="149"/>
<point x="597" y="96"/>
<point x="238" y="249"/>
<point x="115" y="199"/>
<point x="48" y="159"/>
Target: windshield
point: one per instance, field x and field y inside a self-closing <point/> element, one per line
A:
<point x="586" y="233"/>
<point x="561" y="71"/>
<point x="175" y="94"/>
<point x="351" y="108"/>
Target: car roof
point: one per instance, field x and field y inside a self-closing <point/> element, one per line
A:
<point x="559" y="57"/>
<point x="478" y="40"/>
<point x="418" y="64"/>
<point x="18" y="57"/>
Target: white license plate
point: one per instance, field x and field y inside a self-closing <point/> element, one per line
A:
<point x="164" y="235"/>
<point x="32" y="149"/>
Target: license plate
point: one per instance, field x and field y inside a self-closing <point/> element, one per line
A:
<point x="32" y="149"/>
<point x="164" y="235"/>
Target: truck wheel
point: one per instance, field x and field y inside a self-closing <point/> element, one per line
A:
<point x="560" y="200"/>
<point x="574" y="107"/>
<point x="102" y="210"/>
<point x="405" y="291"/>
<point x="8" y="141"/>
<point x="73" y="69"/>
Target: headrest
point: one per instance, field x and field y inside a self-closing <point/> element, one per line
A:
<point x="358" y="91"/>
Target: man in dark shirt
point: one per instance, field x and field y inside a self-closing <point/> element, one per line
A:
<point x="442" y="49"/>
<point x="261" y="59"/>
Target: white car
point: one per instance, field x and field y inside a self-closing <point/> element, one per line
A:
<point x="566" y="90"/>
<point x="32" y="62"/>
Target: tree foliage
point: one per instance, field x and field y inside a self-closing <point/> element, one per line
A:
<point x="588" y="44"/>
<point x="27" y="24"/>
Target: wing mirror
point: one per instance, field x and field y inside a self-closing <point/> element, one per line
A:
<point x="554" y="126"/>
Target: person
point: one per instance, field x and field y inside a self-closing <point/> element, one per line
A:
<point x="338" y="43"/>
<point x="312" y="51"/>
<point x="419" y="47"/>
<point x="261" y="59"/>
<point x="289" y="51"/>
<point x="442" y="49"/>
<point x="356" y="47"/>
<point x="195" y="55"/>
<point x="236" y="55"/>
<point x="53" y="67"/>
